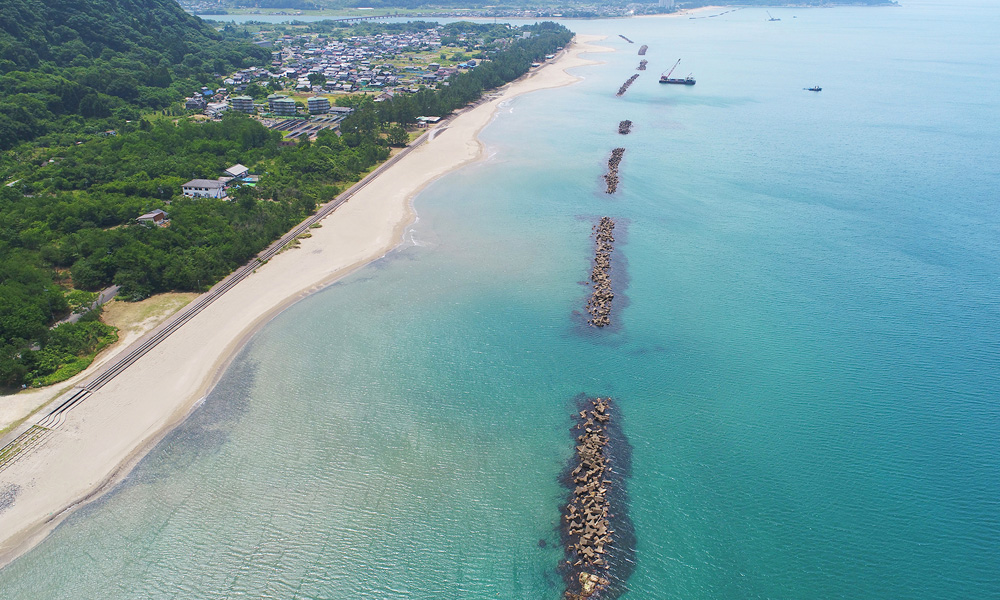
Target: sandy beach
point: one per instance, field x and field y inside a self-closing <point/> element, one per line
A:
<point x="102" y="438"/>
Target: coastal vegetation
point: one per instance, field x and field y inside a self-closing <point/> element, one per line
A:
<point x="71" y="224"/>
<point x="69" y="349"/>
<point x="71" y="197"/>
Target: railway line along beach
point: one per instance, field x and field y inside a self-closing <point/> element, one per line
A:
<point x="98" y="438"/>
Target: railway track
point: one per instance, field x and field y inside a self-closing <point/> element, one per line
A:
<point x="35" y="434"/>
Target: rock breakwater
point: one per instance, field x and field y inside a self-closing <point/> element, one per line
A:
<point x="599" y="303"/>
<point x="642" y="50"/>
<point x="611" y="178"/>
<point x="624" y="127"/>
<point x="621" y="90"/>
<point x="642" y="65"/>
<point x="625" y="38"/>
<point x="596" y="554"/>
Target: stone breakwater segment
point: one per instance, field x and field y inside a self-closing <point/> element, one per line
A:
<point x="642" y="50"/>
<point x="599" y="304"/>
<point x="624" y="127"/>
<point x="625" y="85"/>
<point x="586" y="517"/>
<point x="625" y="38"/>
<point x="642" y="65"/>
<point x="612" y="177"/>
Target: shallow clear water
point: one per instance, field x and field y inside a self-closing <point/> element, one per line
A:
<point x="806" y="361"/>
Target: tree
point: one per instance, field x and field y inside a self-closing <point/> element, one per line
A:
<point x="397" y="136"/>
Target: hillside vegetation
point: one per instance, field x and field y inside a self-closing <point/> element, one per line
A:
<point x="70" y="66"/>
<point x="68" y="213"/>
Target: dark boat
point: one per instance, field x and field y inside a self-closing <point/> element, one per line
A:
<point x="665" y="78"/>
<point x="815" y="88"/>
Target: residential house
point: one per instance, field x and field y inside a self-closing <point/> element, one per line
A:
<point x="204" y="188"/>
<point x="156" y="217"/>
<point x="237" y="171"/>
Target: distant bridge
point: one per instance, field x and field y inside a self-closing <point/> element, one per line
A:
<point x="344" y="19"/>
<point x="366" y="18"/>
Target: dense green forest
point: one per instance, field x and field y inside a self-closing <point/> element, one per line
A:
<point x="73" y="220"/>
<point x="506" y="65"/>
<point x="68" y="219"/>
<point x="69" y="66"/>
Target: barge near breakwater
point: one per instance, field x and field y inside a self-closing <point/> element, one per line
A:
<point x="642" y="65"/>
<point x="621" y="90"/>
<point x="599" y="303"/>
<point x="598" y="536"/>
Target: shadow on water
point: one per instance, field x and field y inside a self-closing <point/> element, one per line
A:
<point x="620" y="555"/>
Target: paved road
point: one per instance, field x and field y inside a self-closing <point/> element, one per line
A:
<point x="103" y="298"/>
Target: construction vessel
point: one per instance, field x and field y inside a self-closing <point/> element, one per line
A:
<point x="665" y="78"/>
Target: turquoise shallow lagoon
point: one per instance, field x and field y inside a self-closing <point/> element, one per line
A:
<point x="806" y="353"/>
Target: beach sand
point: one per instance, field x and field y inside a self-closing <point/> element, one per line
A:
<point x="133" y="320"/>
<point x="103" y="437"/>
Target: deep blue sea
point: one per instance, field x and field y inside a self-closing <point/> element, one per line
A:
<point x="805" y="357"/>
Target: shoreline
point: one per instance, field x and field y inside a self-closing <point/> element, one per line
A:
<point x="102" y="439"/>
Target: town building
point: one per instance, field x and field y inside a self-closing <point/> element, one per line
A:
<point x="271" y="99"/>
<point x="242" y="104"/>
<point x="284" y="107"/>
<point x="318" y="105"/>
<point x="204" y="188"/>
<point x="195" y="103"/>
<point x="215" y="109"/>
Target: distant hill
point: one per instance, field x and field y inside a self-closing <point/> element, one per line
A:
<point x="220" y="6"/>
<point x="63" y="60"/>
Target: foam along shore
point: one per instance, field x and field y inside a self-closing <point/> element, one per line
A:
<point x="100" y="440"/>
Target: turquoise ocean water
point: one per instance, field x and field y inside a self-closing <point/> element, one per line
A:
<point x="807" y="363"/>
